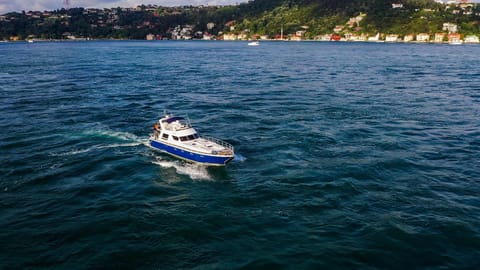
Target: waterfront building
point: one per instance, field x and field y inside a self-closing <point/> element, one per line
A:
<point x="454" y="38"/>
<point x="408" y="38"/>
<point x="439" y="37"/>
<point x="471" y="39"/>
<point x="391" y="38"/>
<point x="423" y="37"/>
<point x="230" y="36"/>
<point x="374" y="38"/>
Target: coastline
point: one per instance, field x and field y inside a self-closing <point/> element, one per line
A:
<point x="239" y="41"/>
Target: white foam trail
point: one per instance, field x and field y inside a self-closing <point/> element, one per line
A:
<point x="238" y="157"/>
<point x="119" y="145"/>
<point x="102" y="146"/>
<point x="72" y="152"/>
<point x="195" y="172"/>
<point x="115" y="134"/>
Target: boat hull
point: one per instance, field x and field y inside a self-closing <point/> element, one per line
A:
<point x="201" y="158"/>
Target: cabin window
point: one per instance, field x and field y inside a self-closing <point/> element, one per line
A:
<point x="165" y="136"/>
<point x="189" y="137"/>
<point x="175" y="138"/>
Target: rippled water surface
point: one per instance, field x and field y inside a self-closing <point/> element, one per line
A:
<point x="348" y="156"/>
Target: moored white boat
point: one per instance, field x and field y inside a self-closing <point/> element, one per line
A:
<point x="254" y="43"/>
<point x="455" y="42"/>
<point x="176" y="136"/>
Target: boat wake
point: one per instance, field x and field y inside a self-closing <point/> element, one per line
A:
<point x="71" y="153"/>
<point x="124" y="136"/>
<point x="95" y="147"/>
<point x="238" y="157"/>
<point x="194" y="171"/>
<point x="131" y="141"/>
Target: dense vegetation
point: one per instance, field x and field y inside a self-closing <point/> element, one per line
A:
<point x="321" y="16"/>
<point x="264" y="17"/>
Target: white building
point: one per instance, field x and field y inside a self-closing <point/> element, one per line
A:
<point x="408" y="38"/>
<point x="150" y="37"/>
<point x="391" y="38"/>
<point x="230" y="37"/>
<point x="374" y="38"/>
<point x="472" y="39"/>
<point x="450" y="27"/>
<point x="423" y="37"/>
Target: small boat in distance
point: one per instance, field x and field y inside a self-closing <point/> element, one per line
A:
<point x="254" y="43"/>
<point x="176" y="136"/>
<point x="456" y="42"/>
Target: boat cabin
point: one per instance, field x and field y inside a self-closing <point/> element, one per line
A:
<point x="177" y="129"/>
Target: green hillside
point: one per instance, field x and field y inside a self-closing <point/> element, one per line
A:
<point x="321" y="16"/>
<point x="259" y="17"/>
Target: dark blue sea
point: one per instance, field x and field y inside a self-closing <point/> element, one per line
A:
<point x="347" y="156"/>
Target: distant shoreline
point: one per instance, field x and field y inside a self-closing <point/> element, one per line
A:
<point x="237" y="41"/>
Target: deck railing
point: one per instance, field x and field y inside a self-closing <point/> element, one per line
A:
<point x="220" y="142"/>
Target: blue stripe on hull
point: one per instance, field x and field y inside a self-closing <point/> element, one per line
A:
<point x="212" y="160"/>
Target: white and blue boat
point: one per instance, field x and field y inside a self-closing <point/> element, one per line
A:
<point x="176" y="136"/>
